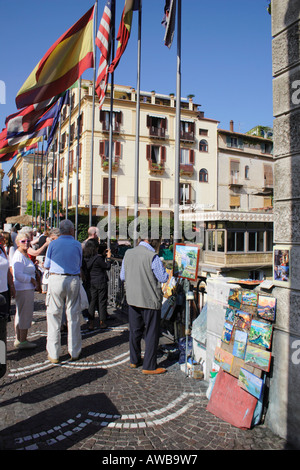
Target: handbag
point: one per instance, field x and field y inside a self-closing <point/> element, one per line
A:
<point x="84" y="302"/>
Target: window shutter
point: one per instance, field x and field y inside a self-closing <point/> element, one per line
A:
<point x="149" y="121"/>
<point x="228" y="141"/>
<point x="119" y="117"/>
<point x="148" y="152"/>
<point x="118" y="149"/>
<point x="163" y="154"/>
<point x="102" y="148"/>
<point x="192" y="156"/>
<point x="102" y="115"/>
<point x="234" y="201"/>
<point x="240" y="143"/>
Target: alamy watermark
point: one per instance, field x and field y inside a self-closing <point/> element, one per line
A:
<point x="2" y="92"/>
<point x="296" y="94"/>
<point x="2" y="352"/>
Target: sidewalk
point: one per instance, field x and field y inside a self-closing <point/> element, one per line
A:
<point x="99" y="403"/>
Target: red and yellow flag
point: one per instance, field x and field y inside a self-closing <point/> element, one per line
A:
<point x="124" y="31"/>
<point x="62" y="65"/>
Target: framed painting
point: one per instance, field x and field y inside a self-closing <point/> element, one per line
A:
<point x="235" y="298"/>
<point x="229" y="314"/>
<point x="186" y="261"/>
<point x="257" y="357"/>
<point x="242" y="320"/>
<point x="281" y="265"/>
<point x="240" y="343"/>
<point x="251" y="383"/>
<point x="227" y="332"/>
<point x="249" y="298"/>
<point x="266" y="307"/>
<point x="223" y="358"/>
<point x="260" y="333"/>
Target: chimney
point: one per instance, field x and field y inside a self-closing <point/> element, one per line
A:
<point x="231" y="126"/>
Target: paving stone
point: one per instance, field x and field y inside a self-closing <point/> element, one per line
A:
<point x="99" y="403"/>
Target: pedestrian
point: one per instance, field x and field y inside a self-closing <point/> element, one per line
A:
<point x="7" y="288"/>
<point x="93" y="234"/>
<point x="9" y="249"/>
<point x="143" y="272"/>
<point x="98" y="261"/>
<point x="64" y="259"/>
<point x="25" y="284"/>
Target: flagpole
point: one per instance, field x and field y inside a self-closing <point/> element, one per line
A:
<point x="110" y="152"/>
<point x="77" y="159"/>
<point x="46" y="183"/>
<point x="93" y="118"/>
<point x="41" y="176"/>
<point x="137" y="141"/>
<point x="57" y="173"/>
<point x="177" y="133"/>
<point x="33" y="190"/>
<point x="68" y="162"/>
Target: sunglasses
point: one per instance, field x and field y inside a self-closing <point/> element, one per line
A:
<point x="25" y="241"/>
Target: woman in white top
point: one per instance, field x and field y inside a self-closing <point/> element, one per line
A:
<point x="25" y="283"/>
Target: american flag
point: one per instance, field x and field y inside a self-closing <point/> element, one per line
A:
<point x="103" y="41"/>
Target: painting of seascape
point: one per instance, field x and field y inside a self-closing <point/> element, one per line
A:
<point x="250" y="383"/>
<point x="261" y="333"/>
<point x="266" y="307"/>
<point x="239" y="345"/>
<point x="257" y="357"/>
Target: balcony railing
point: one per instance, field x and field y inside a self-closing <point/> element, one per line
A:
<point x="105" y="163"/>
<point x="156" y="168"/>
<point x="187" y="136"/>
<point x="186" y="169"/>
<point x="158" y="132"/>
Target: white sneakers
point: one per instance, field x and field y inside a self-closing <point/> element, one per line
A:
<point x="24" y="345"/>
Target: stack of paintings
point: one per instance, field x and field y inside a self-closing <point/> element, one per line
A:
<point x="246" y="339"/>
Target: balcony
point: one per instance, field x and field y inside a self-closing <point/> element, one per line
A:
<point x="105" y="163"/>
<point x="187" y="136"/>
<point x="235" y="181"/>
<point x="186" y="169"/>
<point x="157" y="132"/>
<point x="116" y="127"/>
<point x="156" y="168"/>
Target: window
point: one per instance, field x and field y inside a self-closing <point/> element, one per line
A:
<point x="235" y="241"/>
<point x="235" y="142"/>
<point x="203" y="132"/>
<point x="156" y="153"/>
<point x="216" y="240"/>
<point x="116" y="120"/>
<point x="157" y="126"/>
<point x="234" y="171"/>
<point x="105" y="191"/>
<point x="184" y="193"/>
<point x="256" y="241"/>
<point x="104" y="149"/>
<point x="268" y="176"/>
<point x="187" y="156"/>
<point x="246" y="172"/>
<point x="155" y="193"/>
<point x="203" y="146"/>
<point x="187" y="130"/>
<point x="203" y="175"/>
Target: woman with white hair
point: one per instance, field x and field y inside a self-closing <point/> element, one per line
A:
<point x="25" y="283"/>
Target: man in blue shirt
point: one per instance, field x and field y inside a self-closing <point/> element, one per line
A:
<point x="63" y="259"/>
<point x="143" y="273"/>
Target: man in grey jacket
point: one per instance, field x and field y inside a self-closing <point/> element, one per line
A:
<point x="143" y="273"/>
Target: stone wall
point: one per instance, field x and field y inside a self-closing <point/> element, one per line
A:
<point x="283" y="415"/>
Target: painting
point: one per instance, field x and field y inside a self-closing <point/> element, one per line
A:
<point x="257" y="357"/>
<point x="260" y="333"/>
<point x="223" y="358"/>
<point x="240" y="343"/>
<point x="249" y="298"/>
<point x="251" y="383"/>
<point x="281" y="265"/>
<point x="229" y="314"/>
<point x="227" y="332"/>
<point x="266" y="307"/>
<point x="242" y="320"/>
<point x="186" y="261"/>
<point x="168" y="287"/>
<point x="235" y="298"/>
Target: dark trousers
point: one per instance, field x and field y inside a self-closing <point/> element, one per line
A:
<point x="144" y="322"/>
<point x="98" y="301"/>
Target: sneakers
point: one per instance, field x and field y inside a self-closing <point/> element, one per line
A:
<point x="24" y="345"/>
<point x="53" y="361"/>
<point x="159" y="370"/>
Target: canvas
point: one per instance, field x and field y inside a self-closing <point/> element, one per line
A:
<point x="224" y="359"/>
<point x="249" y="297"/>
<point x="229" y="314"/>
<point x="250" y="383"/>
<point x="257" y="357"/>
<point x="242" y="320"/>
<point x="186" y="261"/>
<point x="235" y="298"/>
<point x="266" y="307"/>
<point x="261" y="333"/>
<point x="227" y="332"/>
<point x="239" y="345"/>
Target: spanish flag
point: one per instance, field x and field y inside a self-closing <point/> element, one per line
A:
<point x="62" y="65"/>
<point x="124" y="31"/>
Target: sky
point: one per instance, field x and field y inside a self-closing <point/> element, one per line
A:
<point x="226" y="53"/>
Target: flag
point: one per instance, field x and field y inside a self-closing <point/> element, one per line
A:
<point x="169" y="21"/>
<point x="28" y="119"/>
<point x="124" y="31"/>
<point x="103" y="41"/>
<point x="65" y="99"/>
<point x="62" y="65"/>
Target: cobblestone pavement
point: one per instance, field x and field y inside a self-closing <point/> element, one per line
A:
<point x="99" y="403"/>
